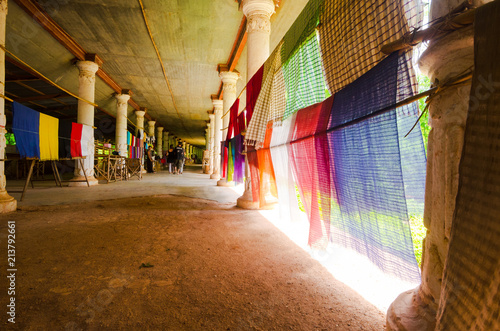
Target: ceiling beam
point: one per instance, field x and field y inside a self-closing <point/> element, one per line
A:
<point x="27" y="78"/>
<point x="33" y="9"/>
<point x="234" y="56"/>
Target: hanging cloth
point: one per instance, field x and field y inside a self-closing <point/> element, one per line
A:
<point x="230" y="162"/>
<point x="76" y="139"/>
<point x="26" y="126"/>
<point x="87" y="141"/>
<point x="253" y="90"/>
<point x="239" y="159"/>
<point x="65" y="139"/>
<point x="49" y="138"/>
<point x="233" y="115"/>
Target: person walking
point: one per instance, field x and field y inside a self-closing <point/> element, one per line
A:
<point x="150" y="159"/>
<point x="179" y="159"/>
<point x="171" y="159"/>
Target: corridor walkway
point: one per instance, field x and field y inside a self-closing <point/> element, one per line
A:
<point x="193" y="183"/>
<point x="167" y="253"/>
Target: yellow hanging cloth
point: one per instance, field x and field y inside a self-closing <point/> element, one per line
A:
<point x="49" y="141"/>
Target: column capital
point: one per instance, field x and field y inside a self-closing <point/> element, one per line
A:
<point x="3" y="6"/>
<point x="218" y="104"/>
<point x="257" y="7"/>
<point x="140" y="113"/>
<point x="151" y="123"/>
<point x="160" y="129"/>
<point x="87" y="68"/>
<point x="229" y="79"/>
<point x="258" y="14"/>
<point x="122" y="98"/>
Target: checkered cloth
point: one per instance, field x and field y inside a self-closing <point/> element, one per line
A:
<point x="256" y="131"/>
<point x="278" y="96"/>
<point x="353" y="32"/>
<point x="304" y="79"/>
<point x="301" y="29"/>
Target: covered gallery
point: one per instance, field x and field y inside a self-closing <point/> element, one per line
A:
<point x="310" y="107"/>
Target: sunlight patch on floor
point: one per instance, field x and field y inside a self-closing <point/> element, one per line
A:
<point x="349" y="267"/>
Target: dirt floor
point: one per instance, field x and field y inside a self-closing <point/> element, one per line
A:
<point x="208" y="266"/>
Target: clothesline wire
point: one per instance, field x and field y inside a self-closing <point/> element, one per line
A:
<point x="463" y="12"/>
<point x="241" y="93"/>
<point x="461" y="79"/>
<point x="59" y="137"/>
<point x="46" y="78"/>
<point x="128" y="119"/>
<point x="6" y="97"/>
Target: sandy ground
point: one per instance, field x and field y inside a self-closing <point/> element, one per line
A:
<point x="213" y="267"/>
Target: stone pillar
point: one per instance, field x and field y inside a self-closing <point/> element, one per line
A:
<point x="217" y="138"/>
<point x="151" y="128"/>
<point x="207" y="137"/>
<point x="139" y="122"/>
<point x="229" y="87"/>
<point x="212" y="145"/>
<point x="159" y="140"/>
<point x="166" y="144"/>
<point x="229" y="96"/>
<point x="139" y="119"/>
<point x="7" y="203"/>
<point x="184" y="147"/>
<point x="445" y="58"/>
<point x="258" y="14"/>
<point x="121" y="123"/>
<point x="86" y="90"/>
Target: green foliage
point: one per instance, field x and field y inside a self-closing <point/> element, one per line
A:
<point x="418" y="231"/>
<point x="10" y="139"/>
<point x="423" y="85"/>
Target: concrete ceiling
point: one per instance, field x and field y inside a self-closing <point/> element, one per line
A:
<point x="193" y="37"/>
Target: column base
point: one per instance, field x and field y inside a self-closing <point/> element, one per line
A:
<point x="215" y="176"/>
<point x="7" y="203"/>
<point x="92" y="181"/>
<point x="408" y="313"/>
<point x="223" y="182"/>
<point x="246" y="201"/>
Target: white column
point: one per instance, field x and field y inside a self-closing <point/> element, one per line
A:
<point x="7" y="203"/>
<point x="212" y="145"/>
<point x="445" y="58"/>
<point x="166" y="144"/>
<point x="151" y="128"/>
<point x="217" y="138"/>
<point x="159" y="140"/>
<point x="207" y="137"/>
<point x="206" y="153"/>
<point x="121" y="123"/>
<point x="139" y="122"/>
<point x="86" y="90"/>
<point x="139" y="119"/>
<point x="258" y="14"/>
<point x="229" y="96"/>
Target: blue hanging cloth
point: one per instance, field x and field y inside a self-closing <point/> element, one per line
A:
<point x="26" y="126"/>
